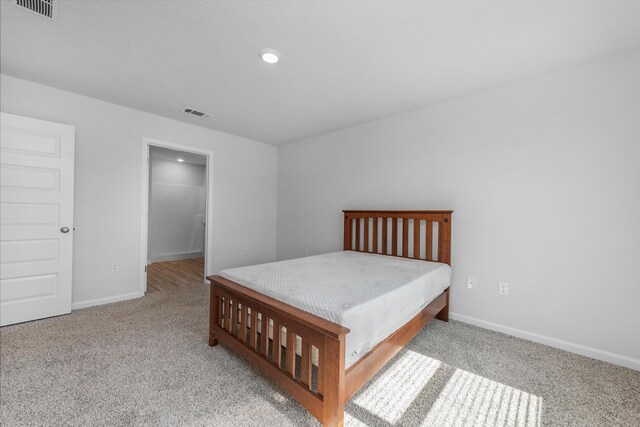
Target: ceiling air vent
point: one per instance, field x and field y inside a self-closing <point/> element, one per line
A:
<point x="46" y="8"/>
<point x="196" y="113"/>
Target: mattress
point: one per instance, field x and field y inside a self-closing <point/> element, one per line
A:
<point x="371" y="294"/>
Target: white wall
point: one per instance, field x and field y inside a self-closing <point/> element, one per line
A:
<point x="177" y="208"/>
<point x="108" y="173"/>
<point x="544" y="177"/>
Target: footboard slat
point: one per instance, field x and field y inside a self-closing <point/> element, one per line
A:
<point x="253" y="339"/>
<point x="291" y="352"/>
<point x="320" y="385"/>
<point x="227" y="314"/>
<point x="276" y="350"/>
<point x="234" y="317"/>
<point x="243" y="322"/>
<point x="264" y="335"/>
<point x="223" y="311"/>
<point x="305" y="364"/>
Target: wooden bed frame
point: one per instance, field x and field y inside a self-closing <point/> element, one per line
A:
<point x="311" y="367"/>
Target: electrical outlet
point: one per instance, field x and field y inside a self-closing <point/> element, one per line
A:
<point x="471" y="283"/>
<point x="503" y="288"/>
<point x="115" y="266"/>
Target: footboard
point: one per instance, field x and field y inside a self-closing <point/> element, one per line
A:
<point x="283" y="341"/>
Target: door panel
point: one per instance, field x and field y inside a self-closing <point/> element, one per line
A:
<point x="24" y="213"/>
<point x="29" y="251"/>
<point x="22" y="178"/>
<point x="30" y="141"/>
<point x="36" y="202"/>
<point x="22" y="288"/>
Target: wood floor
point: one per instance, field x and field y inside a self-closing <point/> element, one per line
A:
<point x="162" y="276"/>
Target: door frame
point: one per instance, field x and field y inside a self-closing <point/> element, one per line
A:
<point x="144" y="224"/>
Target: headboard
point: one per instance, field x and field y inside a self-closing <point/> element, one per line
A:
<point x="409" y="234"/>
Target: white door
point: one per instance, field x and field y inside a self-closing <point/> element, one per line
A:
<point x="36" y="218"/>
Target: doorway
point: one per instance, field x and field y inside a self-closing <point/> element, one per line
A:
<point x="176" y="241"/>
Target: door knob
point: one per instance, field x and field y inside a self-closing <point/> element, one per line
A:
<point x="64" y="229"/>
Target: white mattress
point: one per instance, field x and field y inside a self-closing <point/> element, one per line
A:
<point x="373" y="295"/>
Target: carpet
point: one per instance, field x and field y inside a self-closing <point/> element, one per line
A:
<point x="146" y="362"/>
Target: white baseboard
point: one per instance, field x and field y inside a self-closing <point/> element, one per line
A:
<point x="175" y="256"/>
<point x="594" y="353"/>
<point x="107" y="300"/>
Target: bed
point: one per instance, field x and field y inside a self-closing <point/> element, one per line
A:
<point x="289" y="318"/>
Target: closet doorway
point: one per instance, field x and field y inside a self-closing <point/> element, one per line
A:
<point x="177" y="239"/>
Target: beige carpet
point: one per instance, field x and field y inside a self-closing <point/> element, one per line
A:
<point x="147" y="362"/>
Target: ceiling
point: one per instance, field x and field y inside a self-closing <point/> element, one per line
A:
<point x="163" y="153"/>
<point x="343" y="62"/>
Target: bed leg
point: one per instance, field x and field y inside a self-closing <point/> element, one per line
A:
<point x="334" y="380"/>
<point x="444" y="313"/>
<point x="213" y="318"/>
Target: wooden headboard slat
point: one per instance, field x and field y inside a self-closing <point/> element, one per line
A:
<point x="375" y="235"/>
<point x="429" y="238"/>
<point x="416" y="239"/>
<point x="367" y="222"/>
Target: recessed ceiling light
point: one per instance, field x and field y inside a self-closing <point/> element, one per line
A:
<point x="270" y="56"/>
<point x="180" y="159"/>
